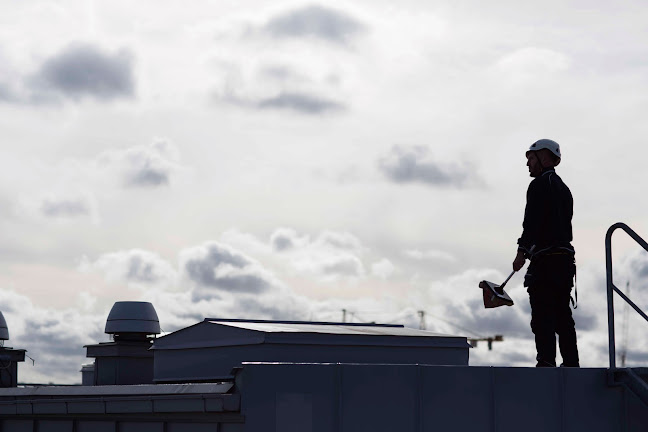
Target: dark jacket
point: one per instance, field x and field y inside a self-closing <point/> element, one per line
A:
<point x="547" y="216"/>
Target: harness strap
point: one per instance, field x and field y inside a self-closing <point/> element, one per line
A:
<point x="575" y="303"/>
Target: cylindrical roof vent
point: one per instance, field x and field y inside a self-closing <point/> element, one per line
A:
<point x="131" y="318"/>
<point x="4" y="330"/>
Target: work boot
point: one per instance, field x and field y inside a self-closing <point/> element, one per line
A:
<point x="543" y="363"/>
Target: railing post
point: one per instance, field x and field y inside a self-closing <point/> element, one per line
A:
<point x="611" y="288"/>
<point x="610" y="292"/>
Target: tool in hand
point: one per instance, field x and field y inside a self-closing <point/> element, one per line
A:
<point x="494" y="295"/>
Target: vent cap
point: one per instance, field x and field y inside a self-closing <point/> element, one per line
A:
<point x="4" y="330"/>
<point x="132" y="317"/>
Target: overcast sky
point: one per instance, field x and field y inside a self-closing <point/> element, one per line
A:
<point x="287" y="160"/>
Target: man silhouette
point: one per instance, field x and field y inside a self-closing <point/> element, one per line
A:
<point x="546" y="241"/>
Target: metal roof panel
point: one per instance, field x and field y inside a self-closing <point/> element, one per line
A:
<point x="337" y="328"/>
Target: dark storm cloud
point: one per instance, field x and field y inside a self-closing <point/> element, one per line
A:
<point x="300" y="102"/>
<point x="65" y="208"/>
<point x="57" y="345"/>
<point x="410" y="165"/>
<point x="217" y="255"/>
<point x="217" y="266"/>
<point x="295" y="101"/>
<point x="639" y="264"/>
<point x="473" y="316"/>
<point x="511" y="322"/>
<point x="252" y="283"/>
<point x="315" y="21"/>
<point x="637" y="358"/>
<point x="585" y="321"/>
<point x="84" y="70"/>
<point x="148" y="176"/>
<point x="47" y="335"/>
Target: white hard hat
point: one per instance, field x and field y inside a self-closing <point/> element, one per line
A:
<point x="548" y="144"/>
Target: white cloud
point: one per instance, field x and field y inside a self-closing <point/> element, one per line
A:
<point x="534" y="61"/>
<point x="327" y="266"/>
<point x="339" y="240"/>
<point x="142" y="166"/>
<point x="135" y="267"/>
<point x="383" y="268"/>
<point x="65" y="208"/>
<point x="429" y="255"/>
<point x="265" y="93"/>
<point x="62" y="205"/>
<point x="75" y="189"/>
<point x="276" y="64"/>
<point x="283" y="239"/>
<point x="530" y="65"/>
<point x="413" y="164"/>
<point x="331" y="256"/>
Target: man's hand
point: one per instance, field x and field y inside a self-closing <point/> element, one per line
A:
<point x="519" y="261"/>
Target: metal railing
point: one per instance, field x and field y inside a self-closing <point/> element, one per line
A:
<point x="612" y="288"/>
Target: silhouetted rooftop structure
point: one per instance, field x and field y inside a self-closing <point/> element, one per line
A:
<point x="214" y="346"/>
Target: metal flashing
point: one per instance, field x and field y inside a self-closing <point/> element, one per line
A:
<point x="328" y="323"/>
<point x="117" y="390"/>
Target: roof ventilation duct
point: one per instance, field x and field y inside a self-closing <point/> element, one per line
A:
<point x="129" y="320"/>
<point x="127" y="359"/>
<point x="9" y="358"/>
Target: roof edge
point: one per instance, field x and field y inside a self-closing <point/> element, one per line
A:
<point x="304" y="322"/>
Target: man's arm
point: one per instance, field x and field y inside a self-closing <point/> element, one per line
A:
<point x="533" y="218"/>
<point x="519" y="260"/>
<point x="533" y="213"/>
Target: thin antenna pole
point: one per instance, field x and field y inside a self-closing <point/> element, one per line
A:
<point x="626" y="314"/>
<point x="422" y="322"/>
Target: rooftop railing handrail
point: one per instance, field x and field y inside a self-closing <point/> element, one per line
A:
<point x="611" y="288"/>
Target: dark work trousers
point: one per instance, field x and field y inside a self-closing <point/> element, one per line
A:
<point x="549" y="280"/>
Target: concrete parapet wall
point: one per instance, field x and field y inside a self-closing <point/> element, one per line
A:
<point x="142" y="408"/>
<point x="351" y="398"/>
